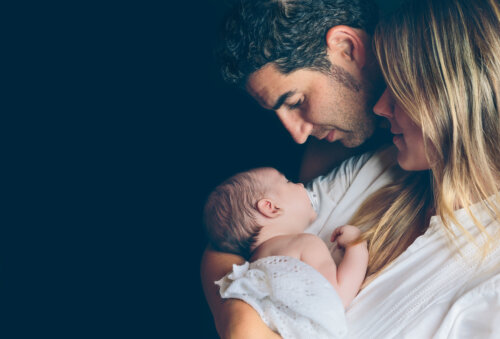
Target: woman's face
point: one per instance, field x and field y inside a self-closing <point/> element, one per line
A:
<point x="408" y="137"/>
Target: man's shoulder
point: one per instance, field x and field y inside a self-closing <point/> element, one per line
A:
<point x="374" y="161"/>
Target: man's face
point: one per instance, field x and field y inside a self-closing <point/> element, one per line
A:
<point x="334" y="106"/>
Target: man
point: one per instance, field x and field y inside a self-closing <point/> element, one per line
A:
<point x="311" y="62"/>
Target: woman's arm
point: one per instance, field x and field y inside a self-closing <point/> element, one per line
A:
<point x="233" y="318"/>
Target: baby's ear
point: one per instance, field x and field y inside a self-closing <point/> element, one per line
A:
<point x="268" y="208"/>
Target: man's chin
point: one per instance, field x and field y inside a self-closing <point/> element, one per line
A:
<point x="350" y="142"/>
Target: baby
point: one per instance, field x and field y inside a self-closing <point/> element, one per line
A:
<point x="291" y="280"/>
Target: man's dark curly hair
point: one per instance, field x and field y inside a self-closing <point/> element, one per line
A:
<point x="289" y="33"/>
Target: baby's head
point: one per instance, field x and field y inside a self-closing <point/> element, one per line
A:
<point x="253" y="206"/>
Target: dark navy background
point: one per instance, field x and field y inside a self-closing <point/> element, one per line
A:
<point x="231" y="133"/>
<point x="121" y="126"/>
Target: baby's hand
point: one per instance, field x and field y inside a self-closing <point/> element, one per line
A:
<point x="345" y="235"/>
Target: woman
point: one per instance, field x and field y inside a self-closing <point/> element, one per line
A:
<point x="434" y="268"/>
<point x="441" y="63"/>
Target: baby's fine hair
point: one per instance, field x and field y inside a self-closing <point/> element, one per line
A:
<point x="229" y="213"/>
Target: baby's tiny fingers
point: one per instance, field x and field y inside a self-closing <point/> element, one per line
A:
<point x="337" y="232"/>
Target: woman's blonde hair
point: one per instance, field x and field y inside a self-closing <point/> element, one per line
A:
<point x="441" y="62"/>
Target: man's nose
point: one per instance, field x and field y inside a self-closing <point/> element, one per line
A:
<point x="385" y="105"/>
<point x="295" y="125"/>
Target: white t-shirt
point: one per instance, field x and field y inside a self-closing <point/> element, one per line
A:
<point x="431" y="290"/>
<point x="337" y="195"/>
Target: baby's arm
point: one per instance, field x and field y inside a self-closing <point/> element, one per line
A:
<point x="352" y="270"/>
<point x="315" y="253"/>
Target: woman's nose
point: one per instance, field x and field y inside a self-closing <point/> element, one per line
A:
<point x="385" y="105"/>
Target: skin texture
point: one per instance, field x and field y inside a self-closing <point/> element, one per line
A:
<point x="233" y="318"/>
<point x="346" y="279"/>
<point x="284" y="213"/>
<point x="329" y="106"/>
<point x="286" y="208"/>
<point x="335" y="106"/>
<point x="408" y="136"/>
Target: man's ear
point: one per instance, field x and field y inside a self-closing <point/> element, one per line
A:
<point x="347" y="44"/>
<point x="268" y="208"/>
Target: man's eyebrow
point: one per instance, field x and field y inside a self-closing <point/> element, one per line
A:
<point x="282" y="99"/>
